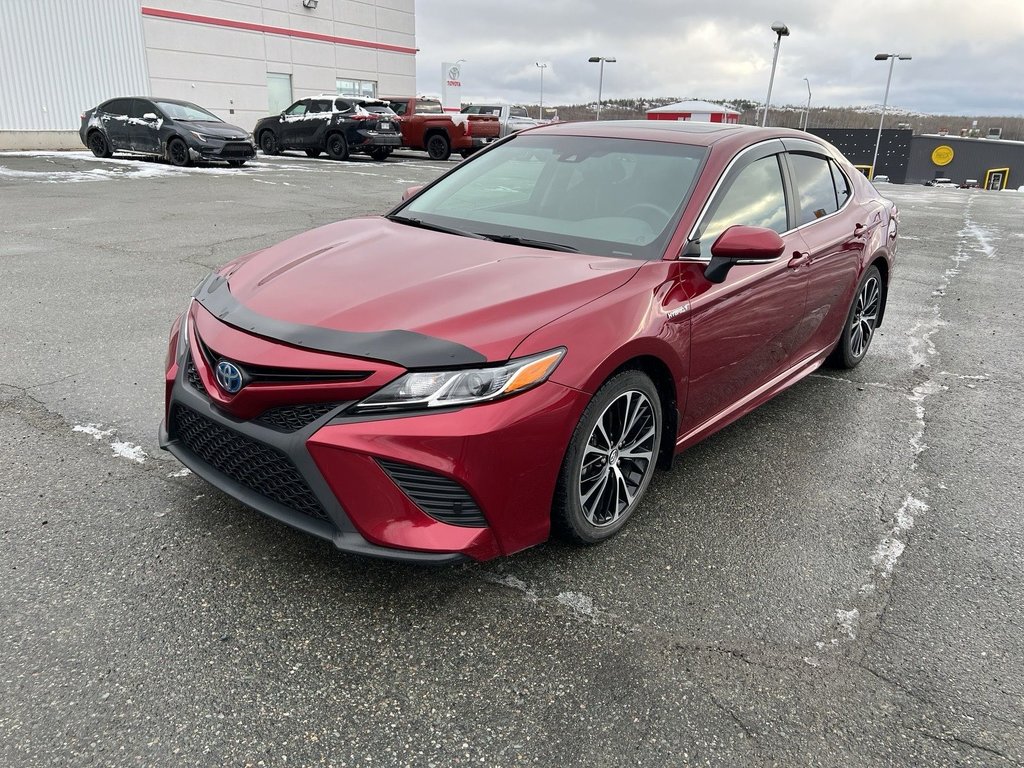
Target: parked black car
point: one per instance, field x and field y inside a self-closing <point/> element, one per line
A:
<point x="335" y="125"/>
<point x="178" y="131"/>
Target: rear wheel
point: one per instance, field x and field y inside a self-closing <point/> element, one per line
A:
<point x="177" y="153"/>
<point x="860" y="322"/>
<point x="610" y="460"/>
<point x="268" y="143"/>
<point x="312" y="153"/>
<point x="337" y="147"/>
<point x="438" y="147"/>
<point x="99" y="145"/>
<point x="380" y="153"/>
<point x="465" y="153"/>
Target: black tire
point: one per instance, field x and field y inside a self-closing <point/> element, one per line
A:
<point x="236" y="163"/>
<point x="380" y="154"/>
<point x="177" y="153"/>
<point x="268" y="143"/>
<point x="99" y="145"/>
<point x="465" y="153"/>
<point x="312" y="153"/>
<point x="861" y="321"/>
<point x="337" y="147"/>
<point x="599" y="488"/>
<point x="438" y="147"/>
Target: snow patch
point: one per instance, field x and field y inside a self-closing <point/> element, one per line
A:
<point x="577" y="602"/>
<point x="183" y="472"/>
<point x="94" y="431"/>
<point x="129" y="451"/>
<point x="848" y="621"/>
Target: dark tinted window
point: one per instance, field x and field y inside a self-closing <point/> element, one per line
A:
<point x="815" y="189"/>
<point x="755" y="197"/>
<point x="343" y="105"/>
<point x="400" y="107"/>
<point x="141" y="107"/>
<point x="842" y="185"/>
<point x="118" y="107"/>
<point x="319" y="105"/>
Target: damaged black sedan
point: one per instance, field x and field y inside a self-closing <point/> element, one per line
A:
<point x="177" y="131"/>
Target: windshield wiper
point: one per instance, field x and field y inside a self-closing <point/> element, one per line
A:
<point x="435" y="227"/>
<point x="529" y="243"/>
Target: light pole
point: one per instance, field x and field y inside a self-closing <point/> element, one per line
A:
<point x="807" y="109"/>
<point x="885" y="101"/>
<point x="782" y="31"/>
<point x="600" y="81"/>
<point x="540" y="115"/>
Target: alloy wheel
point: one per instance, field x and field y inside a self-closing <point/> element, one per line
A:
<point x="865" y="317"/>
<point x="618" y="458"/>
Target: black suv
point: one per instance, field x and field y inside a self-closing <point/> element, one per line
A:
<point x="175" y="130"/>
<point x="335" y="125"/>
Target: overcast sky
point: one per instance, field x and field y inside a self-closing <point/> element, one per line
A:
<point x="968" y="55"/>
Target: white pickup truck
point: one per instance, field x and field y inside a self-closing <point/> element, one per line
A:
<point x="511" y="117"/>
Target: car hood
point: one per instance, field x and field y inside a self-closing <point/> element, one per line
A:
<point x="370" y="278"/>
<point x="220" y="130"/>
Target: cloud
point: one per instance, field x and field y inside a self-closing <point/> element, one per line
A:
<point x="966" y="56"/>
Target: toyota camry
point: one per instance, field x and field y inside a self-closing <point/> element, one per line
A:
<point x="515" y="348"/>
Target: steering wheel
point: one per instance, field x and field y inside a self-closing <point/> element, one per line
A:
<point x="654" y="215"/>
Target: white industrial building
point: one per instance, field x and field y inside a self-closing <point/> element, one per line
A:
<point x="241" y="59"/>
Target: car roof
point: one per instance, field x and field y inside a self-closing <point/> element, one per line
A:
<point x="680" y="131"/>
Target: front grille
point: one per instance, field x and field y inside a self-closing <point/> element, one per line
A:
<point x="192" y="375"/>
<point x="291" y="418"/>
<point x="237" y="150"/>
<point x="263" y="469"/>
<point x="440" y="497"/>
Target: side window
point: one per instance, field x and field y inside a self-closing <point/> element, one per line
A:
<point x="400" y="107"/>
<point x="755" y="197"/>
<point x="298" y="108"/>
<point x="842" y="185"/>
<point x="141" y="107"/>
<point x="815" y="188"/>
<point x="118" y="107"/>
<point x="342" y="105"/>
<point x="320" y="105"/>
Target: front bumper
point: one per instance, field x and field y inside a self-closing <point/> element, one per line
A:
<point x="215" y="149"/>
<point x="329" y="479"/>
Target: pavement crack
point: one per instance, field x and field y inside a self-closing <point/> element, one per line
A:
<point x="954" y="739"/>
<point x="732" y="716"/>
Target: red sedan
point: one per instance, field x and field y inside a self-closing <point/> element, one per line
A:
<point x="518" y="345"/>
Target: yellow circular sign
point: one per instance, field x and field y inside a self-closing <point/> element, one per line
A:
<point x="942" y="155"/>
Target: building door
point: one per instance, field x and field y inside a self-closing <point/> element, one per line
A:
<point x="279" y="92"/>
<point x="995" y="178"/>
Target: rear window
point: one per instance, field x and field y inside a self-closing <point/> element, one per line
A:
<point x="425" y="107"/>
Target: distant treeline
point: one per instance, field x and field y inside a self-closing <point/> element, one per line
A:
<point x="790" y="116"/>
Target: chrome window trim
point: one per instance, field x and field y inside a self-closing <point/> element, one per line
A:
<point x="717" y="188"/>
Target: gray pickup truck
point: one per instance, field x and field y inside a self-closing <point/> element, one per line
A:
<point x="511" y="117"/>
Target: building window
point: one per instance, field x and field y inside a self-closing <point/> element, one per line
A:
<point x="367" y="89"/>
<point x="279" y="91"/>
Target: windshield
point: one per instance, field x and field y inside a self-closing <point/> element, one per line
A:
<point x="605" y="196"/>
<point x="186" y="112"/>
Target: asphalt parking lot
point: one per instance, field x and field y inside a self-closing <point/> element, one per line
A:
<point x="837" y="579"/>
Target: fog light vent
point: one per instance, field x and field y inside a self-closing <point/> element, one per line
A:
<point x="440" y="497"/>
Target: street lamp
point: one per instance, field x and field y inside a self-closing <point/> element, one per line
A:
<point x="540" y="115"/>
<point x="885" y="101"/>
<point x="600" y="82"/>
<point x="807" y="110"/>
<point x="782" y="31"/>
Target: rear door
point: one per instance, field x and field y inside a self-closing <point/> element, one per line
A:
<point x="746" y="330"/>
<point x="835" y="231"/>
<point x="114" y="119"/>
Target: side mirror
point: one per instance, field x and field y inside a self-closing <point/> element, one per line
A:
<point x="151" y="116"/>
<point x="411" y="192"/>
<point x="740" y="243"/>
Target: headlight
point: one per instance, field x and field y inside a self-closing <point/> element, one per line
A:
<point x="199" y="136"/>
<point x="250" y="138"/>
<point x="183" y="334"/>
<point x="438" y="389"/>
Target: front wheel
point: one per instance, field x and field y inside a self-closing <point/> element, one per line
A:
<point x="438" y="147"/>
<point x="610" y="461"/>
<point x="268" y="143"/>
<point x="380" y="153"/>
<point x="337" y="147"/>
<point x="99" y="145"/>
<point x="177" y="153"/>
<point x="860" y="322"/>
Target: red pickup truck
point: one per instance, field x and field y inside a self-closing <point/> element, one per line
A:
<point x="426" y="126"/>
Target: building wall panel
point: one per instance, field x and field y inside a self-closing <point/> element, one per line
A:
<point x="59" y="58"/>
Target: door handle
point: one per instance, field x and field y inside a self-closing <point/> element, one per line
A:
<point x="859" y="230"/>
<point x="799" y="259"/>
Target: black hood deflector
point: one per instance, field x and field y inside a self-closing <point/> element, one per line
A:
<point x="405" y="348"/>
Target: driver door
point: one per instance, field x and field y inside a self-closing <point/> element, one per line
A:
<point x="746" y="329"/>
<point x="291" y="124"/>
